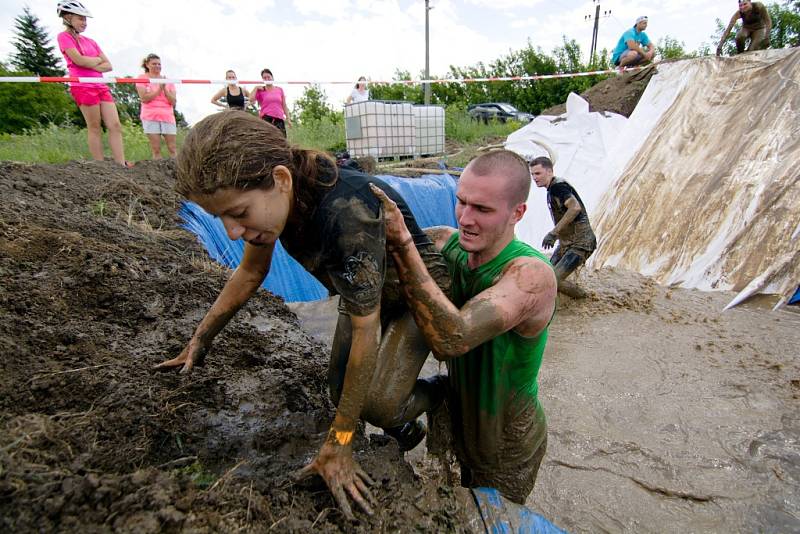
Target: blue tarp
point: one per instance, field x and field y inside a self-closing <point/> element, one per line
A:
<point x="796" y="298"/>
<point x="431" y="198"/>
<point x="501" y="516"/>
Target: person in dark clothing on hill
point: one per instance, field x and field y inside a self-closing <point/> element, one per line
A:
<point x="756" y="26"/>
<point x="576" y="240"/>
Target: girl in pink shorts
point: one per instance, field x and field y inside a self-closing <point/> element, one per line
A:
<point x="85" y="59"/>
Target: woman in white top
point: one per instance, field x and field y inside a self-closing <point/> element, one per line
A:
<point x="360" y="93"/>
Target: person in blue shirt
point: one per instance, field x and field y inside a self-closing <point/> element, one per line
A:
<point x="634" y="47"/>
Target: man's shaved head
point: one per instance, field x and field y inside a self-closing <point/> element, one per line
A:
<point x="506" y="164"/>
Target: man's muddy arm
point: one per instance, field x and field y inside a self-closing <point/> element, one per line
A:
<point x="727" y="31"/>
<point x="573" y="210"/>
<point x="244" y="282"/>
<point x="524" y="293"/>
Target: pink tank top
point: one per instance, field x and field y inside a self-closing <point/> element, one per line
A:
<point x="270" y="102"/>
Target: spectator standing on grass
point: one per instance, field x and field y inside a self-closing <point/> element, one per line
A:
<point x="634" y="47"/>
<point x="271" y="102"/>
<point x="756" y="26"/>
<point x="85" y="59"/>
<point x="235" y="97"/>
<point x="158" y="108"/>
<point x="360" y="93"/>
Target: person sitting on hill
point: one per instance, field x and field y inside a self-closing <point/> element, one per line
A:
<point x="756" y="26"/>
<point x="634" y="47"/>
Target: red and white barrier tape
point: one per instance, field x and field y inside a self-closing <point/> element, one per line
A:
<point x="535" y="77"/>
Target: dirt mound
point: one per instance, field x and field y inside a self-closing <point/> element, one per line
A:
<point x="97" y="284"/>
<point x="617" y="94"/>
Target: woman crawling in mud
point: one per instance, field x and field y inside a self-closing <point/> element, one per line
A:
<point x="332" y="224"/>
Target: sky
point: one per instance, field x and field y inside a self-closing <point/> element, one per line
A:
<point x="323" y="40"/>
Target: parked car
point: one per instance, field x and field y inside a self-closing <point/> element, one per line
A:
<point x="500" y="111"/>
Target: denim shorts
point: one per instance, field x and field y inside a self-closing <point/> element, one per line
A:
<point x="159" y="128"/>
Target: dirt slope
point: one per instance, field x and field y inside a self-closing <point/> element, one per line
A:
<point x="617" y="94"/>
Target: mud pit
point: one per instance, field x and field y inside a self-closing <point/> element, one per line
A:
<point x="97" y="284"/>
<point x="661" y="411"/>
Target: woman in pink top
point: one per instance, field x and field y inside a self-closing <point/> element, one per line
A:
<point x="85" y="59"/>
<point x="158" y="108"/>
<point x="271" y="102"/>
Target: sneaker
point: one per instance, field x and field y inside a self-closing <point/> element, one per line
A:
<point x="408" y="435"/>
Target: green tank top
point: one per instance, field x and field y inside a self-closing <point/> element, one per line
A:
<point x="494" y="386"/>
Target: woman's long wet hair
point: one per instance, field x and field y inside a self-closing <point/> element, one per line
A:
<point x="236" y="149"/>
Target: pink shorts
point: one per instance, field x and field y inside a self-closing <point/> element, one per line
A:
<point x="90" y="96"/>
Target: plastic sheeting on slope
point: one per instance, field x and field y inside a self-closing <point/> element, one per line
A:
<point x="710" y="199"/>
<point x="431" y="199"/>
<point x="578" y="142"/>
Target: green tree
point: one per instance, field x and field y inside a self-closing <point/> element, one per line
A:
<point x="785" y="24"/>
<point x="670" y="48"/>
<point x="33" y="50"/>
<point x="313" y="106"/>
<point x="24" y="106"/>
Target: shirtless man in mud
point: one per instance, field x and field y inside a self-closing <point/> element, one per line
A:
<point x="756" y="26"/>
<point x="576" y="240"/>
<point x="493" y="333"/>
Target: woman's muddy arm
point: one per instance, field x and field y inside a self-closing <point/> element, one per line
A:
<point x="360" y="367"/>
<point x="335" y="463"/>
<point x="244" y="282"/>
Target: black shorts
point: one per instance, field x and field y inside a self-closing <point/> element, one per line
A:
<point x="278" y="123"/>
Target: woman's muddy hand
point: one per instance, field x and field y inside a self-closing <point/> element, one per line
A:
<point x="193" y="354"/>
<point x="343" y="475"/>
<point x="397" y="233"/>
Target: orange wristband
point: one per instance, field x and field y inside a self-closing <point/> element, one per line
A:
<point x="340" y="437"/>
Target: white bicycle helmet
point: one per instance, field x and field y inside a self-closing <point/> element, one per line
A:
<point x="73" y="7"/>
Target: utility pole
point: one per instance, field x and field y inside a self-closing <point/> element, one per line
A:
<point x="427" y="54"/>
<point x="606" y="14"/>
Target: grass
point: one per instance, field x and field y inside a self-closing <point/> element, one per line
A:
<point x="325" y="135"/>
<point x="59" y="144"/>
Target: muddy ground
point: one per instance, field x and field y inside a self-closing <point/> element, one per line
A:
<point x="664" y="414"/>
<point x="617" y="94"/>
<point x="98" y="284"/>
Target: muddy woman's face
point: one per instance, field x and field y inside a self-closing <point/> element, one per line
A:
<point x="256" y="215"/>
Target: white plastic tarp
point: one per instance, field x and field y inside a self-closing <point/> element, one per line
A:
<point x="578" y="142"/>
<point x="699" y="187"/>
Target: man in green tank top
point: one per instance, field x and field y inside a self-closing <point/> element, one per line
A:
<point x="493" y="333"/>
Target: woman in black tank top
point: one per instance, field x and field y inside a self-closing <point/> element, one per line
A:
<point x="232" y="101"/>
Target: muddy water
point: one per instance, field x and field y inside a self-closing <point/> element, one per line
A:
<point x="663" y="413"/>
